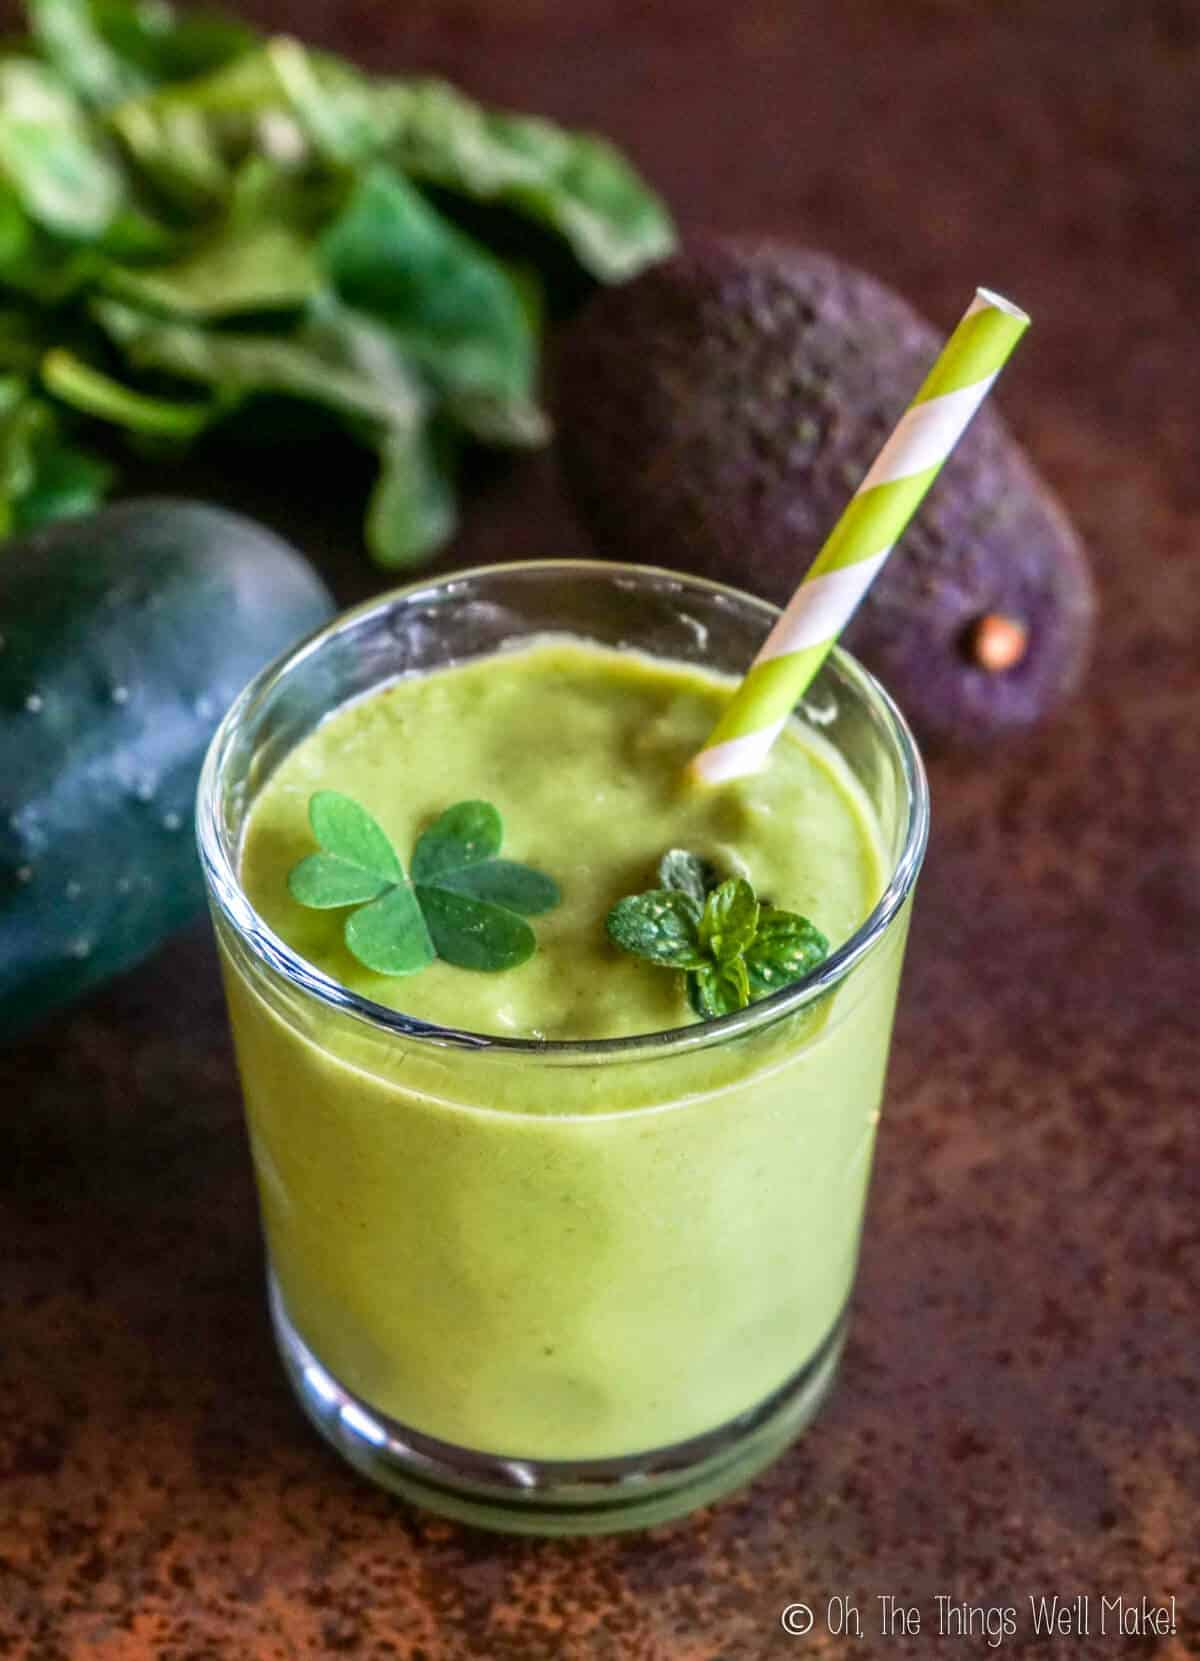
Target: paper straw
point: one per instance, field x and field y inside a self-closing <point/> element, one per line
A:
<point x="872" y="523"/>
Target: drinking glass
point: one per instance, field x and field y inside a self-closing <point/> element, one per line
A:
<point x="662" y="1281"/>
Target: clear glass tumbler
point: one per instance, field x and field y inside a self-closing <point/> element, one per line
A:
<point x="673" y="1272"/>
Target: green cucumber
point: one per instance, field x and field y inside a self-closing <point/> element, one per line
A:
<point x="124" y="637"/>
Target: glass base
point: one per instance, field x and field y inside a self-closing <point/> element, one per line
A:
<point x="553" y="1497"/>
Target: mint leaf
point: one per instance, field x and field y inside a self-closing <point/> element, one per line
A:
<point x="390" y="935"/>
<point x="730" y="919"/>
<point x="719" y="989"/>
<point x="323" y="881"/>
<point x="473" y="934"/>
<point x="687" y="873"/>
<point x="785" y="948"/>
<point x="661" y="925"/>
<point x="464" y="835"/>
<point x="347" y="830"/>
<point x="731" y="947"/>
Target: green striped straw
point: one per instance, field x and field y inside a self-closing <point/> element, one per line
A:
<point x="872" y="523"/>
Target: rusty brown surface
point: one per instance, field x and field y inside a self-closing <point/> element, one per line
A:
<point x="1018" y="1411"/>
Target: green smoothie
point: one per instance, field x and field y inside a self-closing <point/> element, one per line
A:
<point x="536" y="1255"/>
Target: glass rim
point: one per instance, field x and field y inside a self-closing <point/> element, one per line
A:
<point x="218" y="861"/>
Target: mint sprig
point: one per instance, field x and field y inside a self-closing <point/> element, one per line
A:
<point x="460" y="902"/>
<point x="732" y="947"/>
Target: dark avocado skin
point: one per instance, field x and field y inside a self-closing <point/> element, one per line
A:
<point x="126" y="635"/>
<point x="716" y="414"/>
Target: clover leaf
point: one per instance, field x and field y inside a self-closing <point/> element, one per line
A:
<point x="460" y="902"/>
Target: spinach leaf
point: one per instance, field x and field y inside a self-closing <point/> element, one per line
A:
<point x="91" y="391"/>
<point x="255" y="266"/>
<point x="67" y="32"/>
<point x="575" y="183"/>
<point x="41" y="475"/>
<point x="58" y="166"/>
<point x="186" y="140"/>
<point x="185" y="201"/>
<point x="111" y="50"/>
<point x="332" y="357"/>
<point x="65" y="481"/>
<point x="450" y="306"/>
<point x="412" y="510"/>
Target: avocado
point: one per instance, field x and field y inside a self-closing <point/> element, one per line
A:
<point x="716" y="414"/>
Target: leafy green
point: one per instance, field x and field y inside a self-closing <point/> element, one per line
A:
<point x="502" y="882"/>
<point x="472" y="934"/>
<point x="732" y="948"/>
<point x="574" y="183"/>
<point x="184" y="202"/>
<point x="785" y="948"/>
<point x="109" y="51"/>
<point x="357" y="865"/>
<point x="471" y="898"/>
<point x="90" y="390"/>
<point x="730" y="920"/>
<point x="688" y="873"/>
<point x="718" y="989"/>
<point x="447" y="302"/>
<point x="325" y="882"/>
<point x="58" y="166"/>
<point x="391" y="935"/>
<point x="411" y="510"/>
<point x="469" y="834"/>
<point x="42" y="476"/>
<point x="661" y="925"/>
<point x="68" y="33"/>
<point x="330" y="101"/>
<point x="247" y="266"/>
<point x="348" y="832"/>
<point x="460" y="902"/>
<point x="352" y="365"/>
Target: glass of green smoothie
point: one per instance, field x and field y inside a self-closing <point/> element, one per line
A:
<point x="546" y="1251"/>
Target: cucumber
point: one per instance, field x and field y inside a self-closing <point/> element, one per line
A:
<point x="124" y="637"/>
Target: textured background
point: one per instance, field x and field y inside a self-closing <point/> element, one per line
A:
<point x="1018" y="1412"/>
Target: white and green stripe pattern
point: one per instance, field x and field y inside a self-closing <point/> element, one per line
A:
<point x="864" y="536"/>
